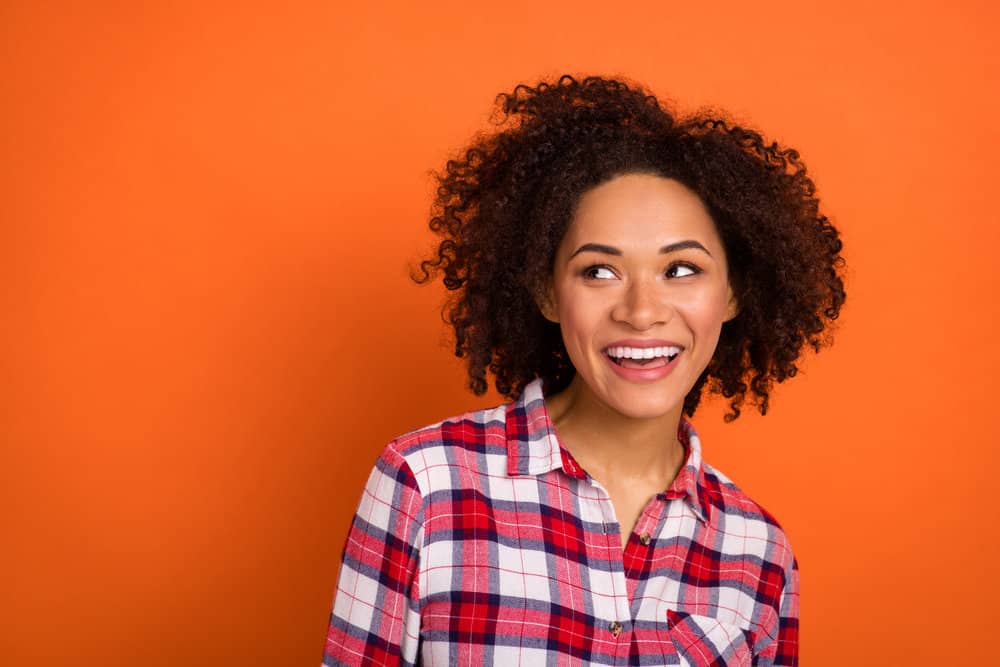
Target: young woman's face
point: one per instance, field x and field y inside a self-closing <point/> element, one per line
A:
<point x="640" y="291"/>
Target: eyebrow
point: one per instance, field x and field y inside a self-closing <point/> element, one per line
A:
<point x="611" y="250"/>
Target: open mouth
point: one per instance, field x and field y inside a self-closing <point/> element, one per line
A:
<point x="642" y="357"/>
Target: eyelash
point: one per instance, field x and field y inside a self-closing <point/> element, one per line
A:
<point x="687" y="265"/>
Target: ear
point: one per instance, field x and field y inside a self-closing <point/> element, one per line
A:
<point x="732" y="306"/>
<point x="545" y="297"/>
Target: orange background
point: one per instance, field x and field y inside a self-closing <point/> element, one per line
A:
<point x="209" y="333"/>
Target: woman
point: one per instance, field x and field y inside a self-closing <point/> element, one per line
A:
<point x="610" y="261"/>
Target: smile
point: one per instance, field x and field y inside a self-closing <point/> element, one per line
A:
<point x="642" y="357"/>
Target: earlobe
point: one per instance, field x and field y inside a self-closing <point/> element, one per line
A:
<point x="732" y="307"/>
<point x="547" y="304"/>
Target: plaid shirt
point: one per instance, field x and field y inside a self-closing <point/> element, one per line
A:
<point x="479" y="540"/>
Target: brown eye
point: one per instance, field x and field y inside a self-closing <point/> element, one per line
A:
<point x="598" y="273"/>
<point x="682" y="270"/>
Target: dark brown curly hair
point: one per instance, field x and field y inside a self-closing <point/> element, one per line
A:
<point x="503" y="206"/>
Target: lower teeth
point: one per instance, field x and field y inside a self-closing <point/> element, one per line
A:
<point x="642" y="361"/>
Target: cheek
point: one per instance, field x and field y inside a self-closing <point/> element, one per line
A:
<point x="578" y="316"/>
<point x="576" y="325"/>
<point x="704" y="312"/>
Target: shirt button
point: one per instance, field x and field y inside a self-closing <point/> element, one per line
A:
<point x="644" y="539"/>
<point x="616" y="628"/>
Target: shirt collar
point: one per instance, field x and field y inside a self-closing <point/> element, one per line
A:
<point x="534" y="449"/>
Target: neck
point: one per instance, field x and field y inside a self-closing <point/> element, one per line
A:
<point x="598" y="436"/>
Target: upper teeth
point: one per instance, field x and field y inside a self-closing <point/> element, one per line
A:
<point x="643" y="352"/>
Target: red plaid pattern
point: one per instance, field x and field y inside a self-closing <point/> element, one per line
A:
<point x="480" y="541"/>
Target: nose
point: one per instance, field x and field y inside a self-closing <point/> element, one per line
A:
<point x="643" y="305"/>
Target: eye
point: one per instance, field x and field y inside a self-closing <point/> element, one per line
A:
<point x="598" y="272"/>
<point x="682" y="270"/>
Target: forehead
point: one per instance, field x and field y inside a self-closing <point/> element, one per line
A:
<point x="641" y="209"/>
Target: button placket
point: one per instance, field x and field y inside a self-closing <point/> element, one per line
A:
<point x="611" y="529"/>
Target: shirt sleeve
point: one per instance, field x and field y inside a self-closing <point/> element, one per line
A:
<point x="778" y="643"/>
<point x="781" y="647"/>
<point x="376" y="607"/>
<point x="788" y="620"/>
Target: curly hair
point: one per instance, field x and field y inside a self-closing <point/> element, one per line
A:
<point x="503" y="207"/>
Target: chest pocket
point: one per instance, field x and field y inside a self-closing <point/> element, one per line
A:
<point x="704" y="641"/>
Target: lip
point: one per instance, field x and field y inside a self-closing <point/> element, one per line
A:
<point x="643" y="375"/>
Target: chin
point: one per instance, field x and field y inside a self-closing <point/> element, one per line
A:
<point x="642" y="405"/>
<point x="648" y="412"/>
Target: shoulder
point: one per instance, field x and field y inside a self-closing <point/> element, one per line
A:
<point x="470" y="429"/>
<point x="449" y="452"/>
<point x="744" y="521"/>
